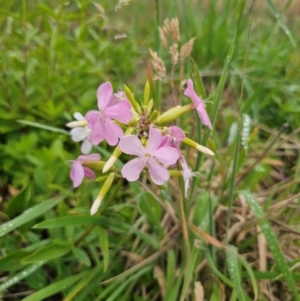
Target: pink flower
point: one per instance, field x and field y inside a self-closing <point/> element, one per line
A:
<point x="78" y="172"/>
<point x="101" y="123"/>
<point x="173" y="138"/>
<point x="198" y="103"/>
<point x="151" y="156"/>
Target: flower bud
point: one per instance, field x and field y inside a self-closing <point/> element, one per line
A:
<point x="175" y="173"/>
<point x="103" y="191"/>
<point x="198" y="147"/>
<point x="154" y="115"/>
<point x="174" y="113"/>
<point x="115" y="155"/>
<point x="94" y="165"/>
<point x="146" y="94"/>
<point x="130" y="96"/>
<point x="75" y="124"/>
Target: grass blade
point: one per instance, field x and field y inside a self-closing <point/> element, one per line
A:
<point x="55" y="287"/>
<point x="29" y="215"/>
<point x="281" y="22"/>
<point x="272" y="242"/>
<point x="44" y="127"/>
<point x="234" y="272"/>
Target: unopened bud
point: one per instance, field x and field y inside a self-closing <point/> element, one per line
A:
<point x="174" y="113"/>
<point x="154" y="116"/>
<point x="130" y="96"/>
<point x="76" y="124"/>
<point x="150" y="106"/>
<point x="94" y="165"/>
<point x="103" y="191"/>
<point x="198" y="147"/>
<point x="146" y="94"/>
<point x="175" y="173"/>
<point x="116" y="154"/>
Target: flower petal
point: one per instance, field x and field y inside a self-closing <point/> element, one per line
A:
<point x="88" y="172"/>
<point x="78" y="116"/>
<point x="77" y="173"/>
<point x="120" y="111"/>
<point x="91" y="157"/>
<point x="86" y="147"/>
<point x="104" y="94"/>
<point x="92" y="117"/>
<point x="111" y="131"/>
<point x="132" y="145"/>
<point x="166" y="155"/>
<point x="155" y="138"/>
<point x="190" y="92"/>
<point x="177" y="133"/>
<point x="158" y="173"/>
<point x="132" y="169"/>
<point x="203" y="115"/>
<point x="97" y="132"/>
<point x="79" y="134"/>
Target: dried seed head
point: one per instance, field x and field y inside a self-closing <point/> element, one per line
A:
<point x="157" y="64"/>
<point x="163" y="38"/>
<point x="186" y="49"/>
<point x="121" y="4"/>
<point x="174" y="30"/>
<point x="173" y="50"/>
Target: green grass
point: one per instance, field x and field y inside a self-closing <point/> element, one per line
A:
<point x="234" y="238"/>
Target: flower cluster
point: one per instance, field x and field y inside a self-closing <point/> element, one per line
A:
<point x="155" y="146"/>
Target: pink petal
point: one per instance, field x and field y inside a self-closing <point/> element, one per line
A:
<point x="155" y="138"/>
<point x="117" y="97"/>
<point x="86" y="147"/>
<point x="132" y="145"/>
<point x="97" y="134"/>
<point x="120" y="111"/>
<point x="77" y="173"/>
<point x="104" y="94"/>
<point x="92" y="117"/>
<point x="165" y="141"/>
<point x="91" y="157"/>
<point x="132" y="169"/>
<point x="111" y="131"/>
<point x="190" y="92"/>
<point x="158" y="173"/>
<point x="166" y="155"/>
<point x="203" y="115"/>
<point x="88" y="172"/>
<point x="177" y="133"/>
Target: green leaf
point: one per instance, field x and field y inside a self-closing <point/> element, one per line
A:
<point x="149" y="206"/>
<point x="12" y="261"/>
<point x="104" y="245"/>
<point x="234" y="272"/>
<point x="19" y="202"/>
<point x="55" y="287"/>
<point x="19" y="276"/>
<point x="82" y="256"/>
<point x="272" y="242"/>
<point x="189" y="269"/>
<point x="171" y="272"/>
<point x="43" y="127"/>
<point x="281" y="22"/>
<point x="29" y="215"/>
<point x="72" y="220"/>
<point x="47" y="253"/>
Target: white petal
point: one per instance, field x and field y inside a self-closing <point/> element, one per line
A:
<point x="86" y="147"/>
<point x="78" y="116"/>
<point x="79" y="134"/>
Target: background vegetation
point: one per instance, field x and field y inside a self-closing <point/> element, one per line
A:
<point x="235" y="238"/>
